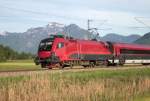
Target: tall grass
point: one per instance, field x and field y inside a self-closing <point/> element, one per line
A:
<point x="122" y="85"/>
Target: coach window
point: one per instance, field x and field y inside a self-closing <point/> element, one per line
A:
<point x="60" y="45"/>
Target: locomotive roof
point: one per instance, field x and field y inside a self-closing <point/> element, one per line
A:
<point x="89" y="42"/>
<point x="52" y="37"/>
<point x="45" y="40"/>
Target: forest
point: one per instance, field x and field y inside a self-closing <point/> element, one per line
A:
<point x="6" y="53"/>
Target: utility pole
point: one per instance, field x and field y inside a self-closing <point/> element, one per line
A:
<point x="88" y="27"/>
<point x="94" y="30"/>
<point x="91" y="30"/>
<point x="88" y="24"/>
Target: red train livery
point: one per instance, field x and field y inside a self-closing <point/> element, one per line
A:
<point x="60" y="51"/>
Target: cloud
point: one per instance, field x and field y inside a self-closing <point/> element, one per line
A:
<point x="118" y="13"/>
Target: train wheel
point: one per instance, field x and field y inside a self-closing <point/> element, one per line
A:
<point x="71" y="66"/>
<point x="114" y="64"/>
<point x="121" y="61"/>
<point x="43" y="65"/>
<point x="92" y="65"/>
<point x="49" y="67"/>
<point x="106" y="63"/>
<point x="85" y="66"/>
<point x="145" y="64"/>
<point x="61" y="66"/>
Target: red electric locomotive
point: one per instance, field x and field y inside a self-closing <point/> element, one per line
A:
<point x="60" y="51"/>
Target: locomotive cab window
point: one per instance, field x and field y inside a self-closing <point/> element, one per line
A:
<point x="45" y="46"/>
<point x="60" y="45"/>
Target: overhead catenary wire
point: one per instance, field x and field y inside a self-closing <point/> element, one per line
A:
<point x="55" y="16"/>
<point x="141" y="22"/>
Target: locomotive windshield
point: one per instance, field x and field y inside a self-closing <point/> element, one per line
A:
<point x="45" y="45"/>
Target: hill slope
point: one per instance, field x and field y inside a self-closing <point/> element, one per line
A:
<point x="120" y="38"/>
<point x="144" y="39"/>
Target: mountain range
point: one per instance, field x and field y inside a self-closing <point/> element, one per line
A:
<point x="28" y="41"/>
<point x="120" y="38"/>
<point x="144" y="39"/>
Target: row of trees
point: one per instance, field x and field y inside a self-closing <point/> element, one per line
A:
<point x="6" y="53"/>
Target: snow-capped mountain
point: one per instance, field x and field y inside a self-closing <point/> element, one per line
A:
<point x="3" y="33"/>
<point x="28" y="41"/>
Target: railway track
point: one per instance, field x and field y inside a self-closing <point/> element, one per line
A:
<point x="76" y="68"/>
<point x="22" y="70"/>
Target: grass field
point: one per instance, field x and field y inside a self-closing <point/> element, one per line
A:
<point x="132" y="84"/>
<point x="18" y="65"/>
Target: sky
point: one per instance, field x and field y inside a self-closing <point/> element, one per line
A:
<point x="123" y="17"/>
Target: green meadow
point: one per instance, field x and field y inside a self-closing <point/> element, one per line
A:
<point x="18" y="65"/>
